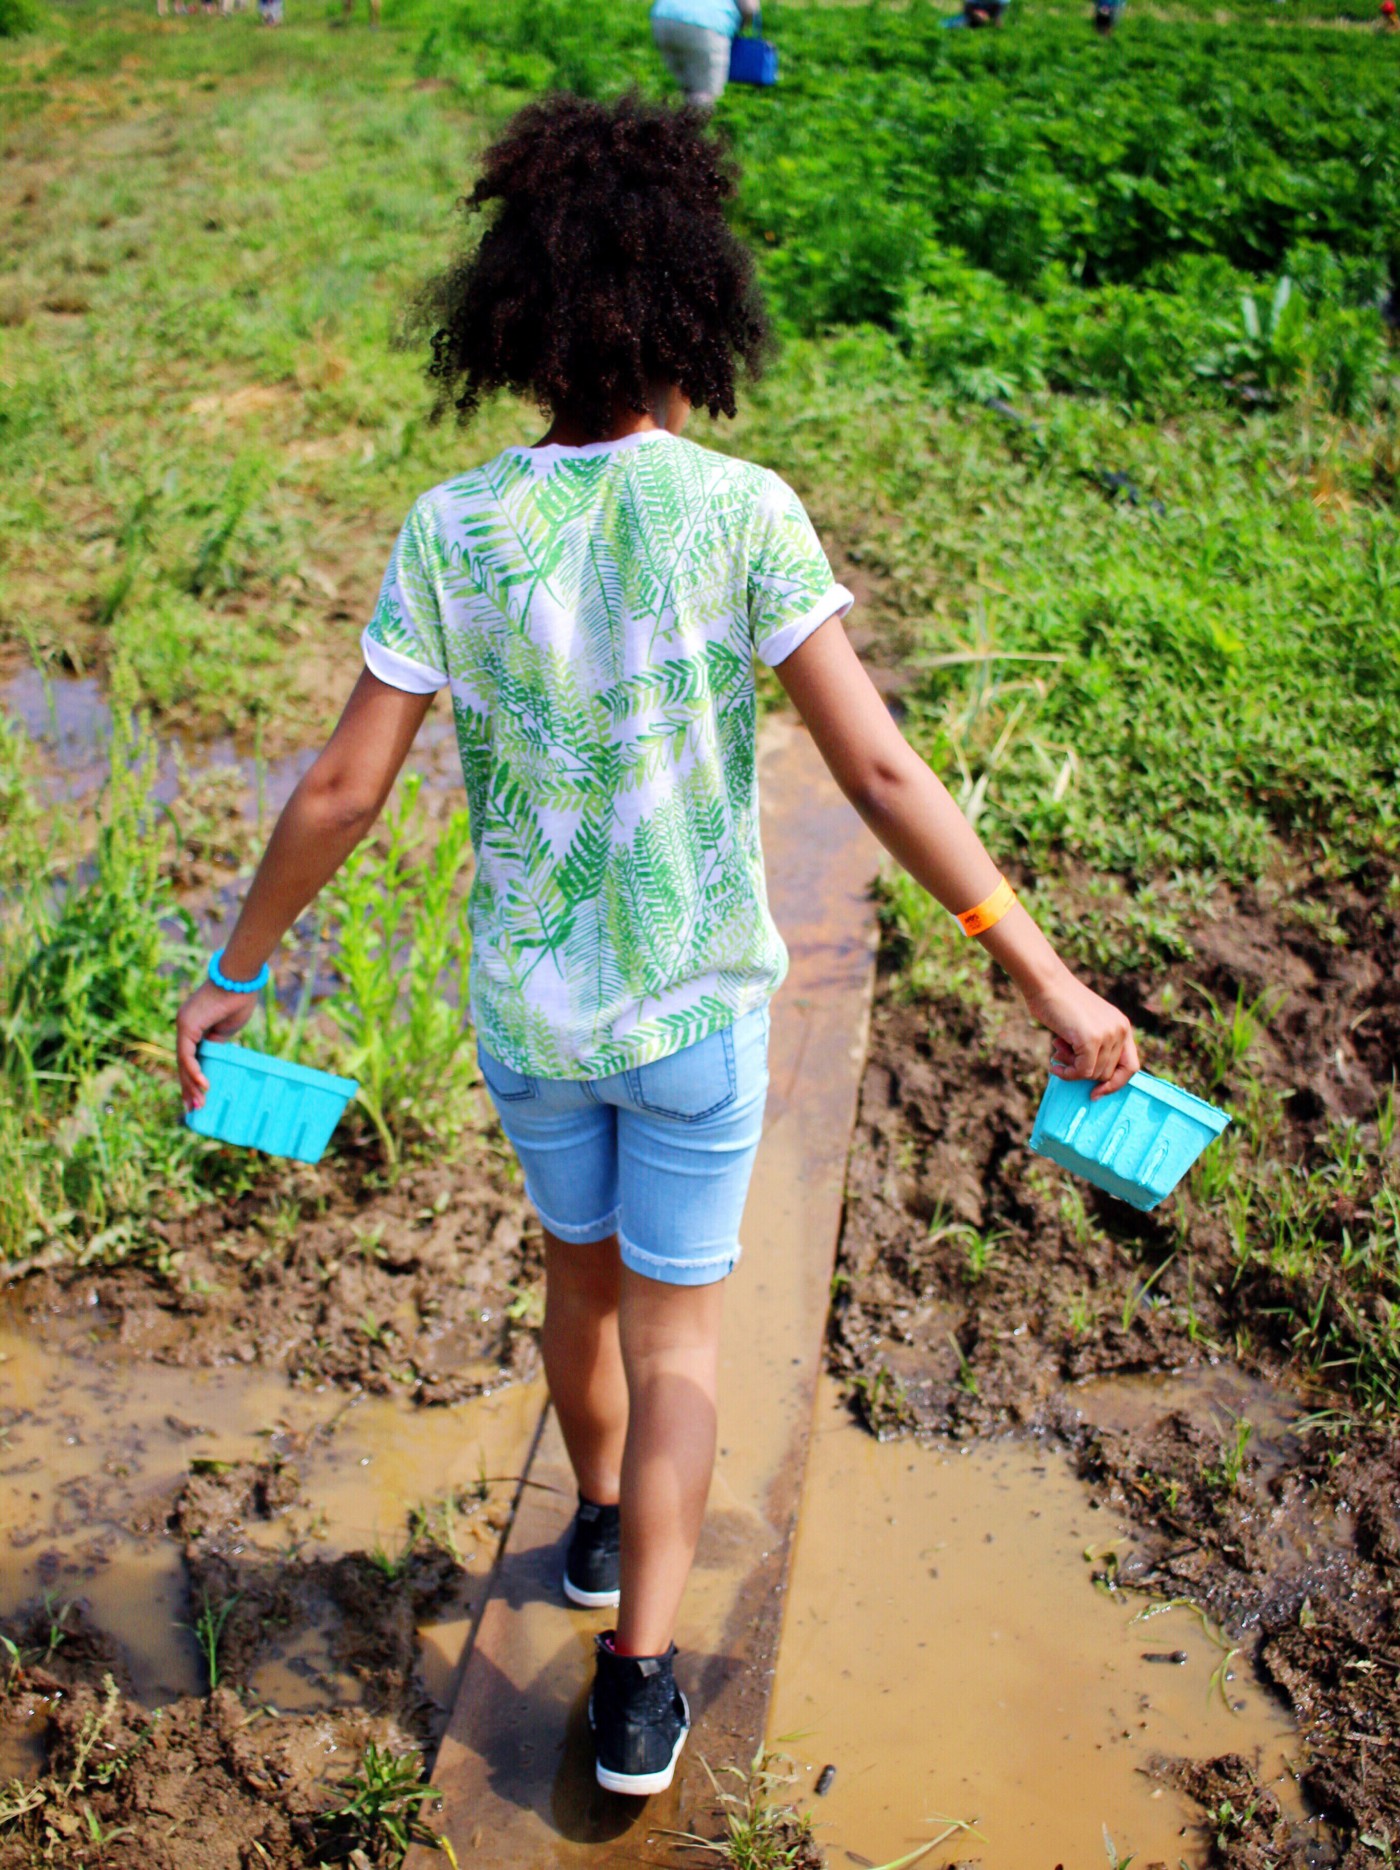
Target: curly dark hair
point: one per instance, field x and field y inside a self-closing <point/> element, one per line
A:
<point x="606" y="272"/>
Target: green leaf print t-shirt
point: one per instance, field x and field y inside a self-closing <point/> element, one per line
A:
<point x="595" y="613"/>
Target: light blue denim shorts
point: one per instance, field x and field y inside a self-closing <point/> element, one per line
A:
<point x="660" y="1155"/>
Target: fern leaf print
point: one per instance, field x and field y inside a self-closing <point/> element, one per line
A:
<point x="595" y="613"/>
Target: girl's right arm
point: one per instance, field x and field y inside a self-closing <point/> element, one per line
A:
<point x="917" y="820"/>
<point x="333" y="807"/>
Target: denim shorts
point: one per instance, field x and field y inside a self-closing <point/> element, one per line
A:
<point x="660" y="1155"/>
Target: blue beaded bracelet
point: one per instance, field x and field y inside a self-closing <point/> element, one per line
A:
<point x="220" y="979"/>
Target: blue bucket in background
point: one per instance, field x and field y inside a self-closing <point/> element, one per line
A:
<point x="1136" y="1144"/>
<point x="257" y="1102"/>
<point x="753" y="59"/>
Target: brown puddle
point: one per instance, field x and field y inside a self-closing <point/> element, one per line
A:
<point x="93" y="1450"/>
<point x="947" y="1650"/>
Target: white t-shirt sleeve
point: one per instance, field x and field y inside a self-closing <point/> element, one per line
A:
<point x="791" y="589"/>
<point x="403" y="641"/>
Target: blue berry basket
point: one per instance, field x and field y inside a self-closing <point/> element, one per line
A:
<point x="266" y="1103"/>
<point x="1136" y="1144"/>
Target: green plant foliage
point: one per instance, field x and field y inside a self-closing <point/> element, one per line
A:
<point x="1003" y="190"/>
<point x="1165" y="656"/>
<point x="20" y="16"/>
<point x="382" y="1811"/>
<point x="402" y="919"/>
<point x="93" y="956"/>
<point x="95" y="981"/>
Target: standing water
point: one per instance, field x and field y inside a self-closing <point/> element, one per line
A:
<point x="94" y="1447"/>
<point x="947" y="1651"/>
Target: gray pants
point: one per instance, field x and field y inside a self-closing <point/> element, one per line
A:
<point x="696" y="58"/>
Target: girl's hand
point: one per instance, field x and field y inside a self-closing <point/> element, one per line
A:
<point x="209" y="1013"/>
<point x="333" y="807"/>
<point x="1092" y="1038"/>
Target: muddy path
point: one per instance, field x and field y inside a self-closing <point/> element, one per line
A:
<point x="980" y="1291"/>
<point x="978" y="1295"/>
<point x="220" y="1589"/>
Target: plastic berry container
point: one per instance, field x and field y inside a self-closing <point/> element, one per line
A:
<point x="257" y="1102"/>
<point x="1136" y="1145"/>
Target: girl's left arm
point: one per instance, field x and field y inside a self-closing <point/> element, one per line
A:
<point x="912" y="813"/>
<point x="333" y="807"/>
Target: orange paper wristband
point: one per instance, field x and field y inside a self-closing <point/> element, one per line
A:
<point x="984" y="915"/>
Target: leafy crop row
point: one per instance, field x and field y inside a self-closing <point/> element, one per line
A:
<point x="993" y="199"/>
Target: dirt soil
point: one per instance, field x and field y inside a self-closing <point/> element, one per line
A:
<point x="430" y="1286"/>
<point x="1299" y="1557"/>
<point x="228" y="1782"/>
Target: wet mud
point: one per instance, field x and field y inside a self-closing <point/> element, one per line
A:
<point x="980" y="1291"/>
<point x="198" y="1782"/>
<point x="430" y="1287"/>
<point x="217" y="1590"/>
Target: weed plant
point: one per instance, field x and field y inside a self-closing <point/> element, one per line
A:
<point x="208" y="1628"/>
<point x="1326" y="1231"/>
<point x="51" y="1818"/>
<point x="95" y="954"/>
<point x="381" y="1815"/>
<point x="91" y="957"/>
<point x="402" y="919"/>
<point x="760" y="1832"/>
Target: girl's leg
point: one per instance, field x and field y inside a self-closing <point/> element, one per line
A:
<point x="583" y="1360"/>
<point x="670" y="1349"/>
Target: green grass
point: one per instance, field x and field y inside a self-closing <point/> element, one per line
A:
<point x="90" y="957"/>
<point x="95" y="955"/>
<point x="402" y="919"/>
<point x="381" y="1814"/>
<point x="1154" y="693"/>
<point x="208" y="1628"/>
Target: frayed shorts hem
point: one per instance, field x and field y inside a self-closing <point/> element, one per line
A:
<point x="679" y="1272"/>
<point x="576" y="1236"/>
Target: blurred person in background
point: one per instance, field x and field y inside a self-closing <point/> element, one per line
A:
<point x="978" y="13"/>
<point x="694" y="37"/>
<point x="1106" y="15"/>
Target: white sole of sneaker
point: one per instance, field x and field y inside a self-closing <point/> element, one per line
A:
<point x="642" y="1785"/>
<point x="590" y="1600"/>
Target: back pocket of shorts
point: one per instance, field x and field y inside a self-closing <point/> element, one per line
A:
<point x="695" y="1082"/>
<point x="504" y="1084"/>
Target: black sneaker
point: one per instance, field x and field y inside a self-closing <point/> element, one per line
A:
<point x="639" y="1719"/>
<point x="591" y="1568"/>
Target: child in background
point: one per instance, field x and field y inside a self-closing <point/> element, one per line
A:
<point x="594" y="603"/>
<point x="694" y="38"/>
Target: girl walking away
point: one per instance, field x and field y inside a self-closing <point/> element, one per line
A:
<point x="594" y="603"/>
<point x="694" y="39"/>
